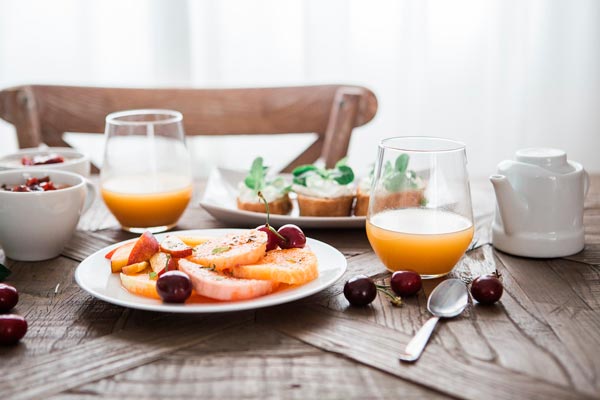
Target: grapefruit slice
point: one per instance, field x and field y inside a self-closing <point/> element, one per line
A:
<point x="231" y="250"/>
<point x="210" y="283"/>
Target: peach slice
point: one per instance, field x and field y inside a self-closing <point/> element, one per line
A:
<point x="175" y="247"/>
<point x="140" y="284"/>
<point x="135" y="268"/>
<point x="192" y="241"/>
<point x="144" y="248"/>
<point x="160" y="261"/>
<point x="120" y="257"/>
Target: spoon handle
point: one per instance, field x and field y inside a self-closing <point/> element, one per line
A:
<point x="415" y="347"/>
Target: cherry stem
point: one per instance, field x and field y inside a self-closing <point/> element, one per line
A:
<point x="395" y="300"/>
<point x="262" y="197"/>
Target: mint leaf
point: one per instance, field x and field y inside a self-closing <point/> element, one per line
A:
<point x="402" y="162"/>
<point x="341" y="162"/>
<point x="346" y="175"/>
<point x="256" y="177"/>
<point x="219" y="250"/>
<point x="4" y="272"/>
<point x="302" y="169"/>
<point x="153" y="275"/>
<point x="396" y="182"/>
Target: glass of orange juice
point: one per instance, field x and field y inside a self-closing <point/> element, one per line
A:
<point x="146" y="179"/>
<point x="420" y="216"/>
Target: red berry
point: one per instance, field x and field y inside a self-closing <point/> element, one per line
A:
<point x="9" y="297"/>
<point x="12" y="328"/>
<point x="293" y="235"/>
<point x="272" y="239"/>
<point x="174" y="287"/>
<point x="405" y="283"/>
<point x="360" y="290"/>
<point x="486" y="289"/>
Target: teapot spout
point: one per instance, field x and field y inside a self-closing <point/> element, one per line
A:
<point x="512" y="207"/>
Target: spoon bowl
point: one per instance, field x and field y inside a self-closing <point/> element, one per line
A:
<point x="447" y="300"/>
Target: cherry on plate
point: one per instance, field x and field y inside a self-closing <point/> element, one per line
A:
<point x="12" y="328"/>
<point x="293" y="235"/>
<point x="360" y="290"/>
<point x="174" y="287"/>
<point x="9" y="297"/>
<point x="272" y="239"/>
<point x="486" y="289"/>
<point x="406" y="283"/>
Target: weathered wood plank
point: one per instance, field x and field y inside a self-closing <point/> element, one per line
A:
<point x="110" y="354"/>
<point x="378" y="346"/>
<point x="251" y="362"/>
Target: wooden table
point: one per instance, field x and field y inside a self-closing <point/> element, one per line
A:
<point x="541" y="341"/>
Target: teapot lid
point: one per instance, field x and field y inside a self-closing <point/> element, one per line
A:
<point x="551" y="159"/>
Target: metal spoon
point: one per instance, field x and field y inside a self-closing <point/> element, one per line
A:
<point x="447" y="300"/>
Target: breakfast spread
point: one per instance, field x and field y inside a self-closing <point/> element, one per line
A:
<point x="34" y="184"/>
<point x="275" y="191"/>
<point x="236" y="266"/>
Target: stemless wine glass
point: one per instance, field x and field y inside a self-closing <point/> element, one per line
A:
<point x="420" y="216"/>
<point x="146" y="179"/>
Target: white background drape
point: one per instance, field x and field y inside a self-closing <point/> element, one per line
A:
<point x="496" y="74"/>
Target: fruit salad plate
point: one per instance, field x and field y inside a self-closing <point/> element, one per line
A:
<point x="220" y="196"/>
<point x="95" y="277"/>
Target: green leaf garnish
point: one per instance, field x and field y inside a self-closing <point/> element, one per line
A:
<point x="402" y="162"/>
<point x="341" y="173"/>
<point x="153" y="275"/>
<point x="219" y="250"/>
<point x="346" y="175"/>
<point x="256" y="177"/>
<point x="4" y="272"/>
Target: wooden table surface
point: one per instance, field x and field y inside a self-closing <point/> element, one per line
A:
<point x="541" y="341"/>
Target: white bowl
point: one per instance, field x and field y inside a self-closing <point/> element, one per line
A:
<point x="36" y="226"/>
<point x="75" y="161"/>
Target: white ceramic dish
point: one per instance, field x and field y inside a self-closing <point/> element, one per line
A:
<point x="94" y="276"/>
<point x="36" y="226"/>
<point x="220" y="201"/>
<point x="75" y="161"/>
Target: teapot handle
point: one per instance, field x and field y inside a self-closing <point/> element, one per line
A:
<point x="586" y="183"/>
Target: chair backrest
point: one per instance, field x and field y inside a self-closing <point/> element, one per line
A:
<point x="42" y="114"/>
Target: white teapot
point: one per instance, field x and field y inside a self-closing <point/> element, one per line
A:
<point x="540" y="204"/>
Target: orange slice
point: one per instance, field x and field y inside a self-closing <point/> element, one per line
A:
<point x="291" y="266"/>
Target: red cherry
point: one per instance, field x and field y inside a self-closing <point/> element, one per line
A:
<point x="405" y="283"/>
<point x="272" y="239"/>
<point x="9" y="297"/>
<point x="12" y="328"/>
<point x="486" y="289"/>
<point x="293" y="235"/>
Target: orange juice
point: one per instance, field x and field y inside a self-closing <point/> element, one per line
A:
<point x="427" y="241"/>
<point x="141" y="201"/>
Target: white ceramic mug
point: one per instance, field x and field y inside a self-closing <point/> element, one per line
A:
<point x="36" y="226"/>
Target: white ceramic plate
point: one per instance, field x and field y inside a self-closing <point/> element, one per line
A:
<point x="94" y="276"/>
<point x="220" y="201"/>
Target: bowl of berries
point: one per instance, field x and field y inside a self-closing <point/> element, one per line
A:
<point x="39" y="211"/>
<point x="43" y="157"/>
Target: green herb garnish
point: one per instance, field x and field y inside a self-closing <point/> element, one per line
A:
<point x="256" y="177"/>
<point x="4" y="272"/>
<point x="399" y="178"/>
<point x="219" y="250"/>
<point x="341" y="173"/>
<point x="153" y="275"/>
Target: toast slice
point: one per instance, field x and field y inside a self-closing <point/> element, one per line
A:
<point x="281" y="206"/>
<point x="323" y="207"/>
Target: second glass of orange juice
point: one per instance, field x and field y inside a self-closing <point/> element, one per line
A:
<point x="146" y="179"/>
<point x="420" y="216"/>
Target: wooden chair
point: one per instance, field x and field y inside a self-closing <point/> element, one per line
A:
<point x="42" y="114"/>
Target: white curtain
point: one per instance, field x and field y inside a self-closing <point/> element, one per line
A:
<point x="498" y="74"/>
